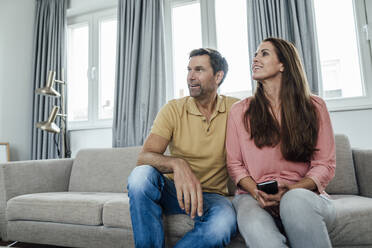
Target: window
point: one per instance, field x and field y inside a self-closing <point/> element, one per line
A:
<point x="232" y="42"/>
<point x="91" y="66"/>
<point x="196" y="24"/>
<point x="182" y="42"/>
<point x="107" y="62"/>
<point x="345" y="52"/>
<point x="78" y="64"/>
<point x="341" y="53"/>
<point x="338" y="68"/>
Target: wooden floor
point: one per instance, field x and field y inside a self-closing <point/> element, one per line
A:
<point x="25" y="245"/>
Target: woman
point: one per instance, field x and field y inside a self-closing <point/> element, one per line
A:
<point x="281" y="133"/>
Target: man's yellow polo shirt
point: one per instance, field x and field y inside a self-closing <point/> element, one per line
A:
<point x="200" y="143"/>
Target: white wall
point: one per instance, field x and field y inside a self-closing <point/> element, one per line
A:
<point x="16" y="44"/>
<point x="83" y="6"/>
<point x="90" y="138"/>
<point x="357" y="125"/>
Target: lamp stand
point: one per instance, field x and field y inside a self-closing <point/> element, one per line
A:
<point x="49" y="125"/>
<point x="63" y="117"/>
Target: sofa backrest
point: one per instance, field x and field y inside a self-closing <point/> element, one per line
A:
<point x="103" y="170"/>
<point x="344" y="181"/>
<point x="107" y="169"/>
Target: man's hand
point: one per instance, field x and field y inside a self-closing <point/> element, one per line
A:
<point x="189" y="190"/>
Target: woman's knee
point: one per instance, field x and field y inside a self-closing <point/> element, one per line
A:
<point x="296" y="203"/>
<point x="244" y="202"/>
<point x="297" y="197"/>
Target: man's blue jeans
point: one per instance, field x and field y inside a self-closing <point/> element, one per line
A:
<point x="151" y="195"/>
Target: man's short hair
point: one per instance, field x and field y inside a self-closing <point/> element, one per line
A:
<point x="218" y="62"/>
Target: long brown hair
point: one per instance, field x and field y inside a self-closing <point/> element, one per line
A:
<point x="298" y="131"/>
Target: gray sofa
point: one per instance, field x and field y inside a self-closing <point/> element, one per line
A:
<point x="82" y="202"/>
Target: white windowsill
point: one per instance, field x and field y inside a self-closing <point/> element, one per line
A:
<point x="89" y="126"/>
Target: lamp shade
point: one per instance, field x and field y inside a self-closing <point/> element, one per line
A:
<point x="49" y="125"/>
<point x="48" y="89"/>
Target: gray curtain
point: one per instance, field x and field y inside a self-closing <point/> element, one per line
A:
<point x="49" y="54"/>
<point x="140" y="71"/>
<point x="292" y="20"/>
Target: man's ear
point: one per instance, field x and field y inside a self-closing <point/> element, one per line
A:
<point x="219" y="77"/>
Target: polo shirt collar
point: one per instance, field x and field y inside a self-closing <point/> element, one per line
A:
<point x="193" y="109"/>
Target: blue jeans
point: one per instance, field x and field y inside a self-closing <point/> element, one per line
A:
<point x="151" y="195"/>
<point x="305" y="216"/>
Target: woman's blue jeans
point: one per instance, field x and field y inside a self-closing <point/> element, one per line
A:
<point x="305" y="216"/>
<point x="151" y="195"/>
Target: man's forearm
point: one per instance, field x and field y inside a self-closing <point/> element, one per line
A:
<point x="165" y="164"/>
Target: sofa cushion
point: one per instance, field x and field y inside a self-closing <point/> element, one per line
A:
<point x="344" y="181"/>
<point x="103" y="170"/>
<point x="61" y="207"/>
<point x="116" y="213"/>
<point x="363" y="169"/>
<point x="177" y="225"/>
<point x="353" y="224"/>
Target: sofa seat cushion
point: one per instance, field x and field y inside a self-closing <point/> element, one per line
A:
<point x="116" y="213"/>
<point x="353" y="224"/>
<point x="84" y="208"/>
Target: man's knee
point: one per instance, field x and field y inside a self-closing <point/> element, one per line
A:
<point x="223" y="226"/>
<point x="143" y="177"/>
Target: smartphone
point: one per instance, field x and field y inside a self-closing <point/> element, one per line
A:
<point x="269" y="187"/>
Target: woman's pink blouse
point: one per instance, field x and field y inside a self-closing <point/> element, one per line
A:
<point x="245" y="159"/>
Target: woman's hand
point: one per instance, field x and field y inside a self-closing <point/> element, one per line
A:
<point x="271" y="202"/>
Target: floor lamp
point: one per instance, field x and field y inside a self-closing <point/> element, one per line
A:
<point x="49" y="125"/>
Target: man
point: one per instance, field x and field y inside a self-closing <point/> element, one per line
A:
<point x="196" y="175"/>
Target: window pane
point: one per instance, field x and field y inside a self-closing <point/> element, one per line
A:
<point x="186" y="37"/>
<point x="107" y="65"/>
<point x="232" y="40"/>
<point x="338" y="48"/>
<point x="77" y="81"/>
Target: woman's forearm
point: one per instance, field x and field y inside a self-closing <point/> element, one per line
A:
<point x="305" y="183"/>
<point x="248" y="184"/>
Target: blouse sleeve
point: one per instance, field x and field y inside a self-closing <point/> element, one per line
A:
<point x="235" y="164"/>
<point x="323" y="164"/>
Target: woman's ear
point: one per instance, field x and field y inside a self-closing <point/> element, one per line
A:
<point x="281" y="69"/>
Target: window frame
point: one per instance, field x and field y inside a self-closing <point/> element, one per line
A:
<point x="365" y="60"/>
<point x="209" y="39"/>
<point x="93" y="20"/>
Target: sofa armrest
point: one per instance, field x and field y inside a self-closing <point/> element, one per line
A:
<point x="363" y="168"/>
<point x="2" y="204"/>
<point x="24" y="177"/>
<point x="36" y="176"/>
